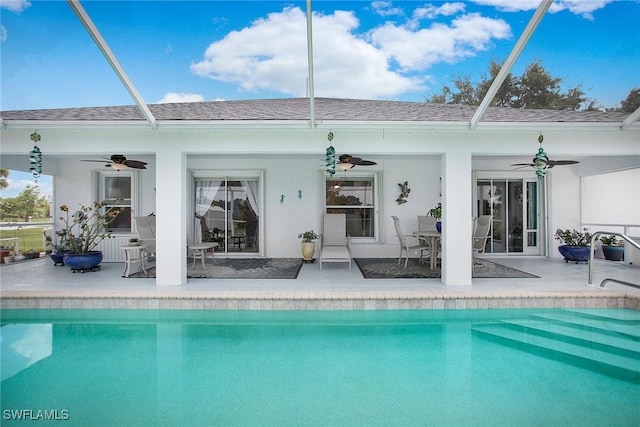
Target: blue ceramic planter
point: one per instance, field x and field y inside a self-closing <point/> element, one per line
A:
<point x="89" y="261"/>
<point x="439" y="226"/>
<point x="613" y="253"/>
<point x="574" y="253"/>
<point x="57" y="258"/>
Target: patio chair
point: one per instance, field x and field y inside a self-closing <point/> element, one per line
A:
<point x="405" y="246"/>
<point x="481" y="228"/>
<point x="146" y="229"/>
<point x="335" y="243"/>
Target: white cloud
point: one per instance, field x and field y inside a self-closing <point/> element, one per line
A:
<point x="581" y="7"/>
<point x="385" y="8"/>
<point x="16" y="6"/>
<point x="578" y="7"/>
<point x="421" y="49"/>
<point x="271" y="54"/>
<point x="17" y="186"/>
<point x="510" y="5"/>
<point x="430" y="11"/>
<point x="173" y="97"/>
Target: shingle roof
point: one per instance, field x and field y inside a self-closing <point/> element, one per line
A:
<point x="296" y="109"/>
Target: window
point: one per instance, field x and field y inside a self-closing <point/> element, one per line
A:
<point x="357" y="197"/>
<point x="118" y="190"/>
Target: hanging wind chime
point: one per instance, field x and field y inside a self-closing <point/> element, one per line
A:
<point x="330" y="156"/>
<point x="541" y="160"/>
<point x="35" y="157"/>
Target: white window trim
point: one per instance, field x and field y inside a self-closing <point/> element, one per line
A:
<point x="377" y="199"/>
<point x="99" y="189"/>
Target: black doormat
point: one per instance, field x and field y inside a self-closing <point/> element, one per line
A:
<point x="388" y="268"/>
<point x="225" y="268"/>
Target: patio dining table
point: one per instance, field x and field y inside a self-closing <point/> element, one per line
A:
<point x="433" y="236"/>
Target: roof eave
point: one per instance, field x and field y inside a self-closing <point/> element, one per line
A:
<point x="303" y="125"/>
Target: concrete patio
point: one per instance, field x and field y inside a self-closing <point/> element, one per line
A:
<point x="38" y="284"/>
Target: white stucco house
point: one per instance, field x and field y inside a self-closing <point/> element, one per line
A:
<point x="266" y="159"/>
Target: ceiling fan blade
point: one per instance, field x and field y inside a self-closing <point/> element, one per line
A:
<point x="347" y="158"/>
<point x="561" y="162"/>
<point x="135" y="164"/>
<point x="99" y="161"/>
<point x="523" y="164"/>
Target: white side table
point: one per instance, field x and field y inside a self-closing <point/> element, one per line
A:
<point x="133" y="253"/>
<point x="200" y="251"/>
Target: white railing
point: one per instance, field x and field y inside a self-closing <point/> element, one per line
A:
<point x="12" y="242"/>
<point x="594" y="237"/>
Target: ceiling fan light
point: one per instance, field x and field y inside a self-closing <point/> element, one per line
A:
<point x="345" y="166"/>
<point x="118" y="166"/>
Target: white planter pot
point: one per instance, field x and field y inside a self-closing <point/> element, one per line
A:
<point x="308" y="248"/>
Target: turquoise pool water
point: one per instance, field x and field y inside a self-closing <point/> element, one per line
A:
<point x="270" y="368"/>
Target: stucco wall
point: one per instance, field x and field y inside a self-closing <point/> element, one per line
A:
<point x="285" y="175"/>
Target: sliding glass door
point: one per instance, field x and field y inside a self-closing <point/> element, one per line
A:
<point x="228" y="212"/>
<point x="514" y="204"/>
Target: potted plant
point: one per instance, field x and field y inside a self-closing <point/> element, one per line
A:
<point x="19" y="256"/>
<point x="134" y="241"/>
<point x="437" y="214"/>
<point x="308" y="244"/>
<point x="576" y="244"/>
<point x="9" y="257"/>
<point x="4" y="252"/>
<point x="60" y="246"/>
<point x="612" y="248"/>
<point x="84" y="229"/>
<point x="31" y="253"/>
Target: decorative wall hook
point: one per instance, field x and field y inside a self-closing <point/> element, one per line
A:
<point x="281" y="198"/>
<point x="299" y="194"/>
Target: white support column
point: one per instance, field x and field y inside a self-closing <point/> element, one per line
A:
<point x="171" y="221"/>
<point x="456" y="218"/>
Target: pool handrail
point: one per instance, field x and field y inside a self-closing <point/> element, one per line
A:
<point x="626" y="238"/>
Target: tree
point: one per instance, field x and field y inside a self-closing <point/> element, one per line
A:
<point x="536" y="88"/>
<point x="4" y="173"/>
<point x="632" y="102"/>
<point x="27" y="204"/>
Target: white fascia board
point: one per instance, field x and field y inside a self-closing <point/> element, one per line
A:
<point x="555" y="126"/>
<point x="285" y="126"/>
<point x="74" y="125"/>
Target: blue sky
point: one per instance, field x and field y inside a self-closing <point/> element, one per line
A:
<point x="227" y="50"/>
<point x="18" y="181"/>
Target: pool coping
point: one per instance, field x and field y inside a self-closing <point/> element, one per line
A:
<point x="304" y="300"/>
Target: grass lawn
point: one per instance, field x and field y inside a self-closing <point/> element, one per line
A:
<point x="28" y="237"/>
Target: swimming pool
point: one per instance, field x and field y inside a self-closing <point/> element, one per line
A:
<point x="275" y="368"/>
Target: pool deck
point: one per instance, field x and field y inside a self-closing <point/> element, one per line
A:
<point x="38" y="284"/>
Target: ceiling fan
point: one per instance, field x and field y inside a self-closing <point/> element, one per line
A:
<point x="120" y="162"/>
<point x="541" y="161"/>
<point x="344" y="162"/>
<point x="347" y="161"/>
